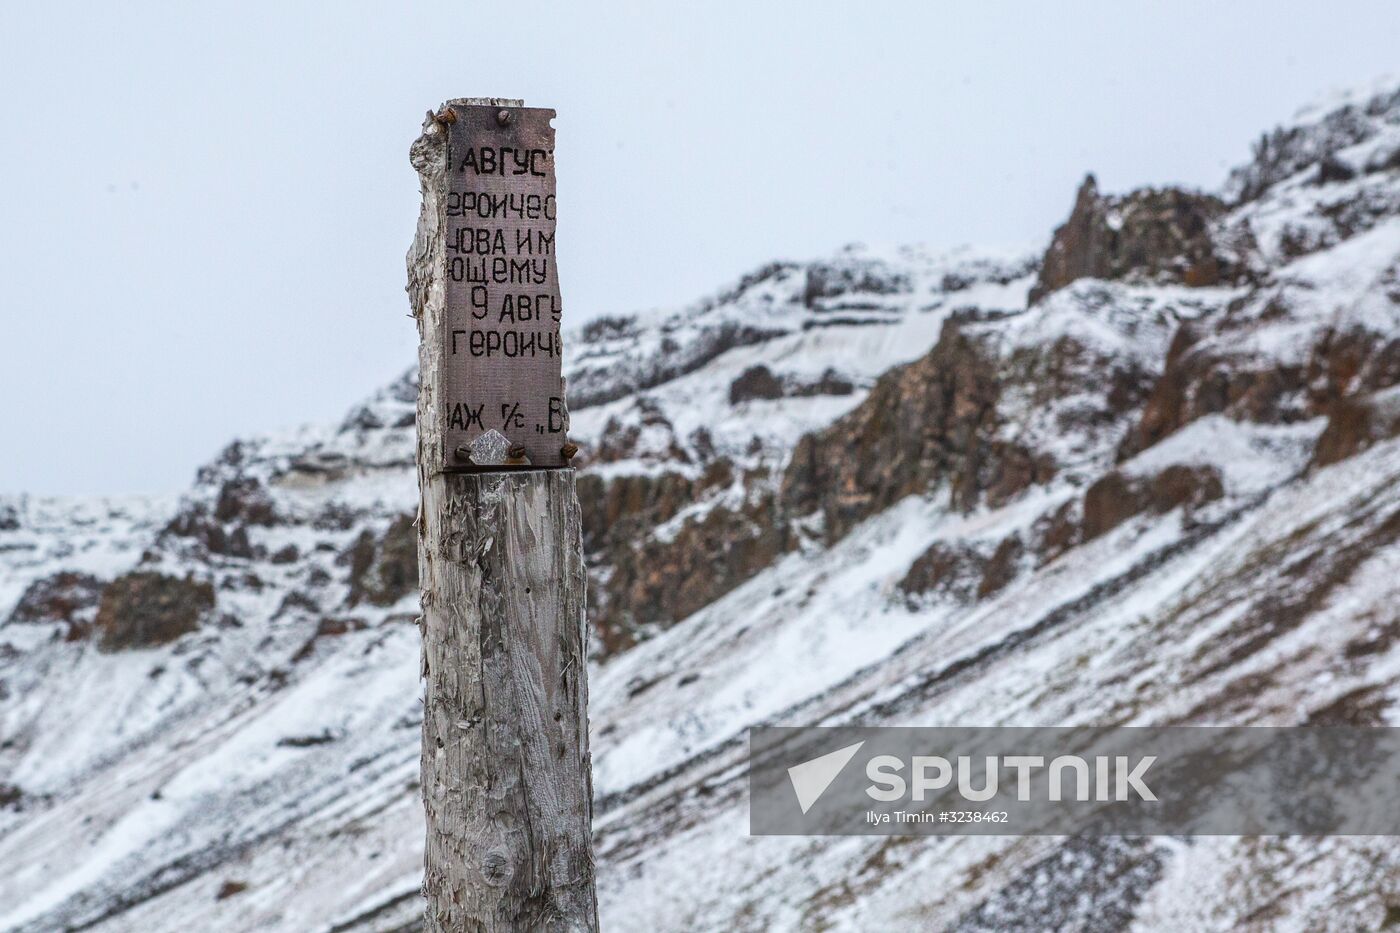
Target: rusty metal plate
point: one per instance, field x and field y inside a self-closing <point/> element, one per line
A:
<point x="502" y="354"/>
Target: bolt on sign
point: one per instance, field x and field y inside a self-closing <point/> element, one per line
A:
<point x="504" y="401"/>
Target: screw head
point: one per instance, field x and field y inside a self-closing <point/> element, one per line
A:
<point x="516" y="451"/>
<point x="463" y="453"/>
<point x="569" y="450"/>
<point x="503" y="117"/>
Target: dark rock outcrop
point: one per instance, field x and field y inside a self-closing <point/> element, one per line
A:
<point x="1154" y="234"/>
<point x="1353" y="361"/>
<point x="842" y="277"/>
<point x="1204" y="377"/>
<point x="328" y="627"/>
<point x="229" y="889"/>
<point x="945" y="569"/>
<point x="759" y="382"/>
<point x="221" y="527"/>
<point x="621" y="441"/>
<point x="1332" y="169"/>
<point x="961" y="571"/>
<point x="1109" y="502"/>
<point x="641" y="580"/>
<point x="196" y="524"/>
<point x="629" y="506"/>
<point x="927" y="424"/>
<point x="383" y="570"/>
<point x="243" y="500"/>
<point x="1002" y="567"/>
<point x="756" y="382"/>
<point x="1354" y="424"/>
<point x="830" y="383"/>
<point x="658" y="583"/>
<point x="287" y="554"/>
<point x="67" y="596"/>
<point x="1058" y="531"/>
<point x="1182" y="485"/>
<point x="1198" y="382"/>
<point x="145" y="608"/>
<point x="1116" y="497"/>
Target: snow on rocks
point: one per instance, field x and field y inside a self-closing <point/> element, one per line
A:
<point x="877" y="488"/>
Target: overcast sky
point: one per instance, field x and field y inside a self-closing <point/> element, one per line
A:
<point x="204" y="207"/>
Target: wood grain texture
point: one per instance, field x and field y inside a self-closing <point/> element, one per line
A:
<point x="507" y="786"/>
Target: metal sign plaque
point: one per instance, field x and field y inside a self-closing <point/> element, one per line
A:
<point x="503" y="404"/>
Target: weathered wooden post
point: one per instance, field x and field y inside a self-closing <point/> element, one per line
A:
<point x="507" y="786"/>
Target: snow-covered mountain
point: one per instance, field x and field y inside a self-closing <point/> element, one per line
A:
<point x="1149" y="475"/>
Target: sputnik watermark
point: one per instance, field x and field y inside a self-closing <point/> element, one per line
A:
<point x="932" y="773"/>
<point x="1112" y="778"/>
<point x="1125" y="780"/>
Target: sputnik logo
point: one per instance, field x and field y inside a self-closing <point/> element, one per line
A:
<point x="811" y="778"/>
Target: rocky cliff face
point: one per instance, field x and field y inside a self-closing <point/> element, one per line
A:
<point x="1150" y="475"/>
<point x="1148" y="235"/>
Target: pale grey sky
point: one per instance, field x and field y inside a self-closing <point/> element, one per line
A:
<point x="204" y="207"/>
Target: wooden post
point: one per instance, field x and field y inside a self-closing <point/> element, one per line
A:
<point x="507" y="785"/>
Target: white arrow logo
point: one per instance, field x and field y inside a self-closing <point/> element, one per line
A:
<point x="811" y="778"/>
